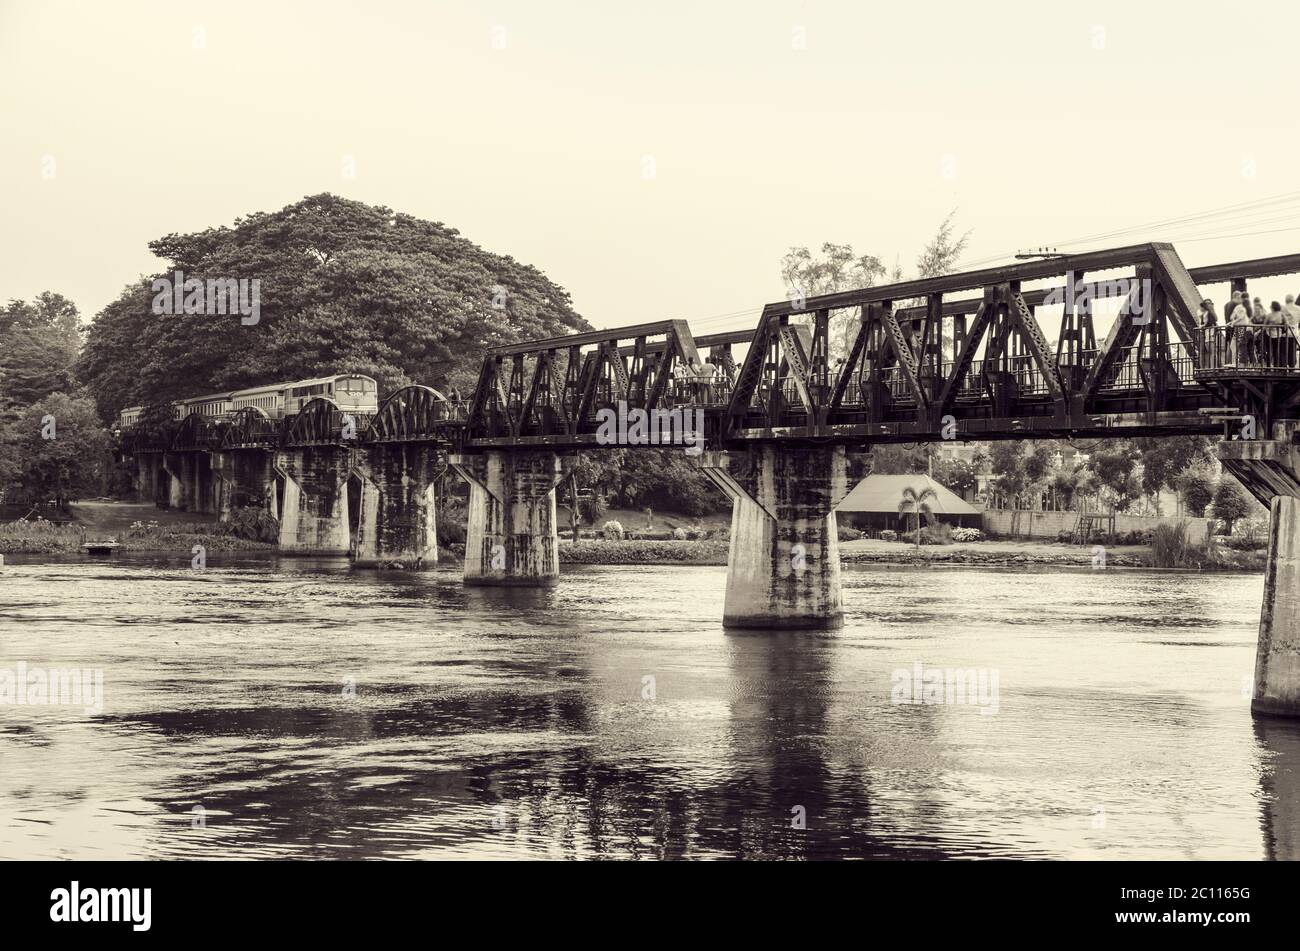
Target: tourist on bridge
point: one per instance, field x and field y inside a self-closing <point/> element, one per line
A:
<point x="1239" y="324"/>
<point x="1275" y="330"/>
<point x="1206" y="320"/>
<point x="681" y="380"/>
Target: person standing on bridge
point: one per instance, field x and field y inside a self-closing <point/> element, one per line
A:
<point x="1275" y="321"/>
<point x="681" y="376"/>
<point x="1206" y="321"/>
<point x="1238" y="330"/>
<point x="1291" y="314"/>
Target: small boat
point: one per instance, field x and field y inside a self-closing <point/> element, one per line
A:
<point x="106" y="547"/>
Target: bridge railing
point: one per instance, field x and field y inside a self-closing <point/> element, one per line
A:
<point x="1253" y="347"/>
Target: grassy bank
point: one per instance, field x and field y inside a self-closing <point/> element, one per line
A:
<point x="586" y="551"/>
<point x="39" y="537"/>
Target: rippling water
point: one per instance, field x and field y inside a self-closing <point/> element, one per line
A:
<point x="493" y="723"/>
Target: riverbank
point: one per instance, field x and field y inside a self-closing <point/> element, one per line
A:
<point x="597" y="551"/>
<point x="1011" y="553"/>
<point x="144" y="528"/>
<point x="137" y="527"/>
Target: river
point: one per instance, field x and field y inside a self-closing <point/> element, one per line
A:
<point x="271" y="707"/>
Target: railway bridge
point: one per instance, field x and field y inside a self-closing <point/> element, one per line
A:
<point x="770" y="414"/>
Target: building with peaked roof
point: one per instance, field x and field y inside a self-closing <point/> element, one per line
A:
<point x="873" y="503"/>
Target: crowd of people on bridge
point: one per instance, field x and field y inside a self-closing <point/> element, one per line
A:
<point x="695" y="382"/>
<point x="1250" y="334"/>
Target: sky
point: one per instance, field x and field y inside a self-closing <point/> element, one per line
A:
<point x="657" y="160"/>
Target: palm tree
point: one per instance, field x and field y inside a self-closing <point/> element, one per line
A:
<point x="917" y="504"/>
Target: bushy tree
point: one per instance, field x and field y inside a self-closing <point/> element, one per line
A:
<point x="1164" y="459"/>
<point x="62" y="449"/>
<point x="1230" y="502"/>
<point x="1196" y="487"/>
<point x="344" y="287"/>
<point x="1114" y="466"/>
<point x="902" y="458"/>
<point x="960" y="475"/>
<point x="38" y="348"/>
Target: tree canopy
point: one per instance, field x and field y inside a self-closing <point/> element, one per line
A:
<point x="344" y="287"/>
<point x="38" y="348"/>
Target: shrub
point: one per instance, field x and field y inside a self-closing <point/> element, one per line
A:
<point x="253" y="524"/>
<point x="38" y="536"/>
<point x="936" y="534"/>
<point x="1172" y="548"/>
<point x="451" y="522"/>
<point x="612" y="530"/>
<point x="1254" y="531"/>
<point x="680" y="534"/>
<point x="967" y="535"/>
<point x="846" y="534"/>
<point x="889" y="535"/>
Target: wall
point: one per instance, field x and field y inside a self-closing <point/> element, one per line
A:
<point x="1048" y="525"/>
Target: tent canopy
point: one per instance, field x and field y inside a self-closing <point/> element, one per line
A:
<point x="882" y="493"/>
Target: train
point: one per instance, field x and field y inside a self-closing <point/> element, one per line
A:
<point x="352" y="392"/>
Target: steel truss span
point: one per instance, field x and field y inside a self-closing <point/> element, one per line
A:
<point x="960" y="356"/>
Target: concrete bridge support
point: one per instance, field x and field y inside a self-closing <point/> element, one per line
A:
<point x="511" y="537"/>
<point x="203" y="490"/>
<point x="314" y="516"/>
<point x="783" y="567"/>
<point x="148" y="473"/>
<point x="179" y="467"/>
<point x="242" y="477"/>
<point x="1270" y="470"/>
<point x="397" y="514"/>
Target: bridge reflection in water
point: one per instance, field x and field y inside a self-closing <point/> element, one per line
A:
<point x="517" y="724"/>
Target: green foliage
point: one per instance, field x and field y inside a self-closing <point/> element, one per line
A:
<point x="840" y="268"/>
<point x="1172" y="547"/>
<point x="252" y="524"/>
<point x="1196" y="486"/>
<point x="901" y="459"/>
<point x="64" y="468"/>
<point x="1114" y="466"/>
<point x="38" y="348"/>
<point x="960" y="475"/>
<point x="1166" y="458"/>
<point x="916" y="505"/>
<point x="344" y="286"/>
<point x="936" y="533"/>
<point x="451" y="520"/>
<point x="1230" y="502"/>
<point x="38" y="536"/>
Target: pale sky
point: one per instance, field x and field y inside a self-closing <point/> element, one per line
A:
<point x="769" y="124"/>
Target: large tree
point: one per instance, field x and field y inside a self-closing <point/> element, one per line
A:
<point x="344" y="286"/>
<point x="38" y="348"/>
<point x="61" y="449"/>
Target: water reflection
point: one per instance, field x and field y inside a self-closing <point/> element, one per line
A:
<point x="310" y="710"/>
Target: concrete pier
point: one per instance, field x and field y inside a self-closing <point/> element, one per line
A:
<point x="179" y="467"/>
<point x="511" y="534"/>
<point x="240" y="478"/>
<point x="148" y="472"/>
<point x="783" y="566"/>
<point x="1270" y="470"/>
<point x="314" y="516"/>
<point x="397" y="524"/>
